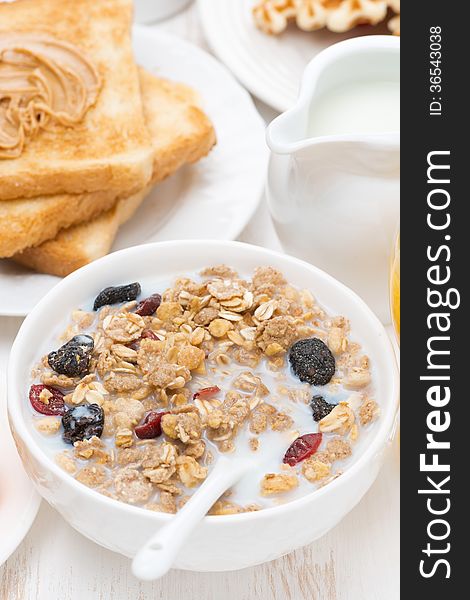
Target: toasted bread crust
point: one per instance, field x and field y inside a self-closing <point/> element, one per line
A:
<point x="110" y="149"/>
<point x="181" y="133"/>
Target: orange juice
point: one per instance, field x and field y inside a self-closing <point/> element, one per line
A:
<point x="395" y="288"/>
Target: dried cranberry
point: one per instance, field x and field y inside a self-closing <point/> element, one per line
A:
<point x="301" y="448"/>
<point x="55" y="405"/>
<point x="207" y="393"/>
<point x="148" y="333"/>
<point x="147" y="307"/>
<point x="151" y="426"/>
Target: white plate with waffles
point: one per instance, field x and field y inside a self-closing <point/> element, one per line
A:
<point x="269" y="66"/>
<point x="213" y="199"/>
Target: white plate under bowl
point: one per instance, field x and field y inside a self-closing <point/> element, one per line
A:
<point x="224" y="542"/>
<point x="269" y="66"/>
<point x="19" y="501"/>
<point x="213" y="199"/>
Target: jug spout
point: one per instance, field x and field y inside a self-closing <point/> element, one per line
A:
<point x="287" y="133"/>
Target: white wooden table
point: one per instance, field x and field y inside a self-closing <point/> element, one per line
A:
<point x="358" y="560"/>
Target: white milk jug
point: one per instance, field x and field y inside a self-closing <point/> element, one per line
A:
<point x="333" y="181"/>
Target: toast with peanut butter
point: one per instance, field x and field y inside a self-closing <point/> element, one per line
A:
<point x="181" y="133"/>
<point x="71" y="117"/>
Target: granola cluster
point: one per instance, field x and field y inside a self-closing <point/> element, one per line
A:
<point x="177" y="386"/>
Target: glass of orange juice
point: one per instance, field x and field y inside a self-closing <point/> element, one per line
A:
<point x="395" y="287"/>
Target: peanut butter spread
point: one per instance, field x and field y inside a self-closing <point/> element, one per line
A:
<point x="43" y="82"/>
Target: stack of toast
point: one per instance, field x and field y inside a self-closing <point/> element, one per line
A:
<point x="67" y="187"/>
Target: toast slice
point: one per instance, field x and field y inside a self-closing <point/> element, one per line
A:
<point x="181" y="133"/>
<point x="170" y="114"/>
<point x="109" y="148"/>
<point x="81" y="244"/>
<point x="25" y="223"/>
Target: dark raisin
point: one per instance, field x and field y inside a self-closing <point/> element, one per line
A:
<point x="207" y="392"/>
<point x="151" y="426"/>
<point x="55" y="404"/>
<point x="73" y="358"/>
<point x="147" y="307"/>
<point x="301" y="448"/>
<point x="82" y="422"/>
<point x="113" y="295"/>
<point x="320" y="407"/>
<point x="312" y="361"/>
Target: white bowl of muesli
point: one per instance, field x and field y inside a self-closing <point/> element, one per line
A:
<point x="134" y="374"/>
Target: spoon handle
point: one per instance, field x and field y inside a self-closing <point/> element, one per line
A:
<point x="157" y="555"/>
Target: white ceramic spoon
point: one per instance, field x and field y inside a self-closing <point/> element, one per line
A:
<point x="157" y="556"/>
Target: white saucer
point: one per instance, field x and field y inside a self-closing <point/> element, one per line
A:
<point x="213" y="199"/>
<point x="269" y="66"/>
<point x="19" y="502"/>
